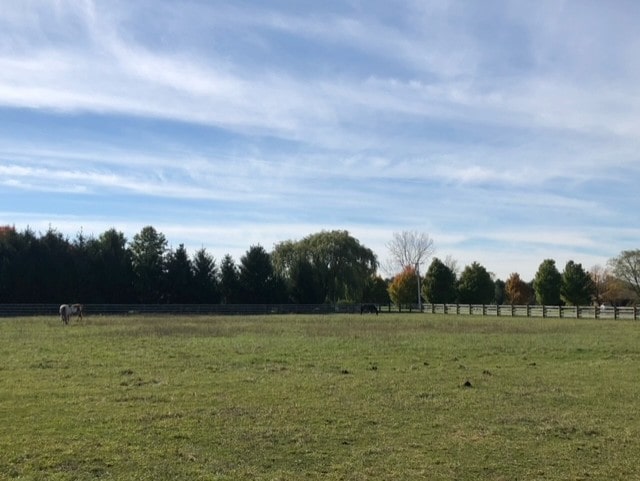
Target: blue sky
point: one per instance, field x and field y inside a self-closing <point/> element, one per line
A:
<point x="509" y="131"/>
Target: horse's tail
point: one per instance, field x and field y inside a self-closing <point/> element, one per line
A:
<point x="64" y="313"/>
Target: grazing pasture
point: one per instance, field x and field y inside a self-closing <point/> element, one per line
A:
<point x="395" y="396"/>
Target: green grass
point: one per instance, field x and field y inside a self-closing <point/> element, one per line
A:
<point x="319" y="397"/>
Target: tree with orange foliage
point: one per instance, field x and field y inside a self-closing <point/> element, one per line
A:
<point x="517" y="291"/>
<point x="403" y="287"/>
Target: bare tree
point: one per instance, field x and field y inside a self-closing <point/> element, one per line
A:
<point x="452" y="264"/>
<point x="627" y="268"/>
<point x="600" y="277"/>
<point x="410" y="249"/>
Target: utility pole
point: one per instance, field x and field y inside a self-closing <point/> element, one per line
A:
<point x="419" y="287"/>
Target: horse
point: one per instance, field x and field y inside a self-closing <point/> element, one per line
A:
<point x="368" y="308"/>
<point x="66" y="311"/>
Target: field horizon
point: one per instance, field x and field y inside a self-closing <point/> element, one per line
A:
<point x="396" y="396"/>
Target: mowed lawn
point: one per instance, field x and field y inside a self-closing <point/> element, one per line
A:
<point x="338" y="397"/>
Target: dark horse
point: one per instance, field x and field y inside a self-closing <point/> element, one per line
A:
<point x="368" y="308"/>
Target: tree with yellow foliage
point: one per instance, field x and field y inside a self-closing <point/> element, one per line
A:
<point x="517" y="291"/>
<point x="402" y="289"/>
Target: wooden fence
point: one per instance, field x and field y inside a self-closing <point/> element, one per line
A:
<point x="586" y="312"/>
<point x="577" y="312"/>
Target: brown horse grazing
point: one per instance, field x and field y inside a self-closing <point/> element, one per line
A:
<point x="66" y="311"/>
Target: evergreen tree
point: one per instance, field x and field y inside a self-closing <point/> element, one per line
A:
<point x="257" y="278"/>
<point x="10" y="249"/>
<point x="25" y="268"/>
<point x="84" y="281"/>
<point x="376" y="291"/>
<point x="148" y="255"/>
<point x="499" y="291"/>
<point x="179" y="277"/>
<point x="205" y="278"/>
<point x="57" y="277"/>
<point x="475" y="285"/>
<point x="229" y="281"/>
<point x="547" y="283"/>
<point x="439" y="283"/>
<point x="577" y="286"/>
<point x="112" y="266"/>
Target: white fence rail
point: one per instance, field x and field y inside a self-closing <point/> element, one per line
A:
<point x="577" y="312"/>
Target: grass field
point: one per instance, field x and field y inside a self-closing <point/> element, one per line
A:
<point x="344" y="397"/>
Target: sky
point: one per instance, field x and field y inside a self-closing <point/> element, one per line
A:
<point x="508" y="131"/>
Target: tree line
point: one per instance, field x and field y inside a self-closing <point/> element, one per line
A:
<point x="328" y="266"/>
<point x="619" y="284"/>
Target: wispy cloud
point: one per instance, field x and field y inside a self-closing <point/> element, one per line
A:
<point x="117" y="74"/>
<point x="486" y="124"/>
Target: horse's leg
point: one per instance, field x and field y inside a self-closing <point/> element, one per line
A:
<point x="77" y="310"/>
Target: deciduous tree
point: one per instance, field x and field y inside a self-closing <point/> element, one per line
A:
<point x="517" y="291"/>
<point x="341" y="264"/>
<point x="627" y="268"/>
<point x="411" y="249"/>
<point x="403" y="287"/>
<point x="303" y="283"/>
